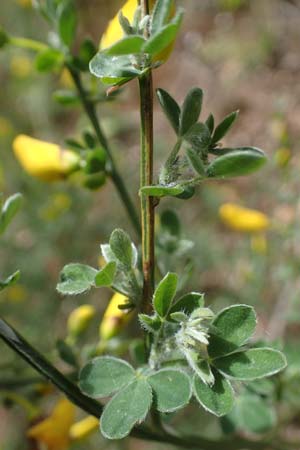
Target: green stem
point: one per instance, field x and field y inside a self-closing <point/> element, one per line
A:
<point x="89" y="108"/>
<point x="146" y="178"/>
<point x="29" y="44"/>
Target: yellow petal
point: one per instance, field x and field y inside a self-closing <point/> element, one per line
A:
<point x="84" y="428"/>
<point x="114" y="31"/>
<point x="42" y="159"/>
<point x="243" y="219"/>
<point x="80" y="318"/>
<point x="54" y="431"/>
<point x="114" y="319"/>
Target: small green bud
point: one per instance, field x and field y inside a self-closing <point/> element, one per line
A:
<point x="95" y="181"/>
<point x="95" y="161"/>
<point x="188" y="192"/>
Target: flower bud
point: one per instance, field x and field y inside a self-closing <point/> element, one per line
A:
<point x="114" y="319"/>
<point x="80" y="319"/>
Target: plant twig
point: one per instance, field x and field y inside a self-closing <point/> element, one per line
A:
<point x="146" y="179"/>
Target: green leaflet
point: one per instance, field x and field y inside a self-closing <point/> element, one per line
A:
<point x="12" y="279"/>
<point x="120" y="245"/>
<point x="128" y="45"/>
<point x="104" y="376"/>
<point x="171" y="388"/>
<point x="217" y="399"/>
<point x="191" y="110"/>
<point x="170" y="108"/>
<point x="230" y="329"/>
<point x="76" y="279"/>
<point x="162" y="191"/>
<point x="105" y="276"/>
<point x="251" y="364"/>
<point x="125" y="409"/>
<point x="237" y="163"/>
<point x="9" y="210"/>
<point x="224" y="126"/>
<point x="164" y="294"/>
<point x="188" y="302"/>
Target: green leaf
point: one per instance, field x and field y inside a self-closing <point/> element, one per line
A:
<point x="12" y="279"/>
<point x="164" y="37"/>
<point x="113" y="70"/>
<point x="200" y="366"/>
<point x="230" y="329"/>
<point x="125" y="409"/>
<point x="76" y="279"/>
<point x="160" y="15"/>
<point x="239" y="162"/>
<point x="171" y="388"/>
<point x="127" y="46"/>
<point x="120" y="245"/>
<point x="162" y="191"/>
<point x="170" y="108"/>
<point x="150" y="323"/>
<point x="105" y="276"/>
<point x="188" y="302"/>
<point x="217" y="399"/>
<point x="195" y="161"/>
<point x="9" y="210"/>
<point x="224" y="127"/>
<point x="251" y="364"/>
<point x="49" y="60"/>
<point x="67" y="22"/>
<point x="164" y="294"/>
<point x="170" y="223"/>
<point x="66" y="353"/>
<point x="66" y="97"/>
<point x="104" y="376"/>
<point x="210" y="123"/>
<point x="254" y="414"/>
<point x="199" y="137"/>
<point x="191" y="110"/>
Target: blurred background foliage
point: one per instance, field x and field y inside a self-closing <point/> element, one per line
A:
<point x="244" y="55"/>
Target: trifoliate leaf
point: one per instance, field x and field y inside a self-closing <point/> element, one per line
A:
<point x="76" y="279"/>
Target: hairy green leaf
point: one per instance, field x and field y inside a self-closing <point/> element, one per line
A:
<point x="160" y="15"/>
<point x="128" y="45"/>
<point x="224" y="127"/>
<point x="104" y="376"/>
<point x="237" y="163"/>
<point x="170" y="108"/>
<point x="162" y="191"/>
<point x="76" y="279"/>
<point x="125" y="409"/>
<point x="120" y="245"/>
<point x="230" y="329"/>
<point x="188" y="302"/>
<point x="164" y="294"/>
<point x="195" y="161"/>
<point x="164" y="37"/>
<point x="105" y="276"/>
<point x="171" y="388"/>
<point x="114" y="70"/>
<point x="251" y="364"/>
<point x="217" y="399"/>
<point x="9" y="210"/>
<point x="191" y="110"/>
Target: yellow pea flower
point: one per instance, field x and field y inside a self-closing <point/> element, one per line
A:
<point x="44" y="160"/>
<point x="114" y="31"/>
<point x="243" y="219"/>
<point x="79" y="319"/>
<point x="114" y="319"/>
<point x="54" y="432"/>
<point x="84" y="428"/>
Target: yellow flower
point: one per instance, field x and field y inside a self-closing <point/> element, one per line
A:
<point x="44" y="160"/>
<point x="54" y="432"/>
<point x="79" y="319"/>
<point x="114" y="31"/>
<point x="114" y="319"/>
<point x="243" y="219"/>
<point x="84" y="428"/>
